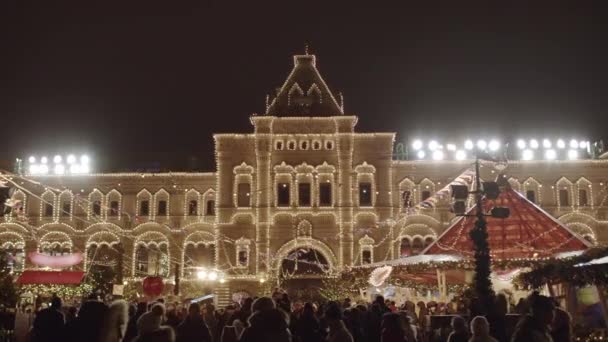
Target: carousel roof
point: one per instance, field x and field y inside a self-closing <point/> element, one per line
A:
<point x="529" y="232"/>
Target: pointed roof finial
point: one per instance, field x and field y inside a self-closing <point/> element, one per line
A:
<point x="306" y="49"/>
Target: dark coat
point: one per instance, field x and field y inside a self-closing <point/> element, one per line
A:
<point x="193" y="329"/>
<point x="269" y="325"/>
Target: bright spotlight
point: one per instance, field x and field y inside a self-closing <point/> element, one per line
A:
<point x="212" y="275"/>
<point x="34" y="169"/>
<point x="44" y="160"/>
<point x="57" y="159"/>
<point x="75" y="169"/>
<point x="32" y="159"/>
<point x="417" y="144"/>
<point x="71" y="159"/>
<point x="550" y="154"/>
<point x="573" y="143"/>
<point x="421" y="154"/>
<point x="468" y="145"/>
<point x="546" y="143"/>
<point x="482" y="144"/>
<point x="201" y="275"/>
<point x="59" y="169"/>
<point x="534" y="143"/>
<point x="451" y="147"/>
<point x="582" y="144"/>
<point x="84" y="159"/>
<point x="433" y="145"/>
<point x="561" y="143"/>
<point x="494" y="145"/>
<point x="521" y="144"/>
<point x="461" y="155"/>
<point x="437" y="155"/>
<point x="527" y="155"/>
<point x="572" y="154"/>
<point x="43" y="169"/>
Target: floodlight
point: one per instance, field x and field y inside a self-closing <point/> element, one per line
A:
<point x="417" y="144"/>
<point x="546" y="143"/>
<point x="468" y="145"/>
<point x="527" y="155"/>
<point x="437" y="155"/>
<point x="534" y="143"/>
<point x="75" y="168"/>
<point x="561" y="144"/>
<point x="212" y="275"/>
<point x="44" y="160"/>
<point x="201" y="274"/>
<point x="521" y="144"/>
<point x="482" y="144"/>
<point x="421" y="154"/>
<point x="451" y="147"/>
<point x="32" y="159"/>
<point x="572" y="154"/>
<point x="550" y="154"/>
<point x="494" y="145"/>
<point x="582" y="144"/>
<point x="59" y="169"/>
<point x="71" y="159"/>
<point x="573" y="143"/>
<point x="461" y="155"/>
<point x="84" y="159"/>
<point x="433" y="145"/>
<point x="57" y="159"/>
<point x="34" y="169"/>
<point x="43" y="169"/>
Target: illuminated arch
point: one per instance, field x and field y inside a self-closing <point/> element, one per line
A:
<point x="310" y="243"/>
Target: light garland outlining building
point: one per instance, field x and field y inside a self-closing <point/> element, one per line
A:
<point x="301" y="196"/>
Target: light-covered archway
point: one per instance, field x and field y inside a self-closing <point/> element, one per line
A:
<point x="306" y="243"/>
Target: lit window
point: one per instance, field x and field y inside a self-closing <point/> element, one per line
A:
<point x="304" y="194"/>
<point x="193" y="208"/>
<point x="162" y="208"/>
<point x="365" y="194"/>
<point x="244" y="195"/>
<point x="283" y="194"/>
<point x="325" y="194"/>
<point x="210" y="208"/>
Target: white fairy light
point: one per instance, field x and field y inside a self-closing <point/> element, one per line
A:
<point x="534" y="143"/>
<point x="521" y="144"/>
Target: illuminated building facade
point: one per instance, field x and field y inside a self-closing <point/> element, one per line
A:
<point x="303" y="182"/>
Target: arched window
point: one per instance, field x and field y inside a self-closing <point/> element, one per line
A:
<point x="47" y="204"/>
<point x="417" y="245"/>
<point x="316" y="145"/>
<point x="278" y="145"/>
<point x="210" y="209"/>
<point x="244" y="195"/>
<point x="329" y="145"/>
<point x="144" y="198"/>
<point x="406" y="247"/>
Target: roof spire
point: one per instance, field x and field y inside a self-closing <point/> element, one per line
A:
<point x="306" y="49"/>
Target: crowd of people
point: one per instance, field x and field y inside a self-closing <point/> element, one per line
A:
<point x="278" y="319"/>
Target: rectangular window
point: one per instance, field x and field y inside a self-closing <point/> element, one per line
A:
<point x="66" y="209"/>
<point x="242" y="258"/>
<point x="304" y="194"/>
<point x="283" y="194"/>
<point x="162" y="208"/>
<point x="210" y="208"/>
<point x="366" y="257"/>
<point x="406" y="199"/>
<point x="365" y="194"/>
<point x="114" y="208"/>
<point x="531" y="196"/>
<point x="325" y="194"/>
<point x="244" y="195"/>
<point x="144" y="208"/>
<point x="97" y="208"/>
<point x="424" y="195"/>
<point x="563" y="197"/>
<point x="48" y="210"/>
<point x="193" y="208"/>
<point x="582" y="197"/>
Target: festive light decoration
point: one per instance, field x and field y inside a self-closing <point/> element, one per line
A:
<point x="379" y="275"/>
<point x="58" y="168"/>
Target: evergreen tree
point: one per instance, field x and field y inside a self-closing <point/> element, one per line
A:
<point x="8" y="292"/>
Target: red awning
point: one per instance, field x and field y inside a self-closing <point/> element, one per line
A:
<point x="30" y="277"/>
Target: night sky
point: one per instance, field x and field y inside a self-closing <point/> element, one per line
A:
<point x="138" y="84"/>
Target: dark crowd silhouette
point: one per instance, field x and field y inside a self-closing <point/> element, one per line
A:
<point x="278" y="319"/>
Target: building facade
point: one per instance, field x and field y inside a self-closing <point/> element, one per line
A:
<point x="304" y="181"/>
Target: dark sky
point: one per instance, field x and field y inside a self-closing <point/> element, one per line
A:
<point x="134" y="83"/>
